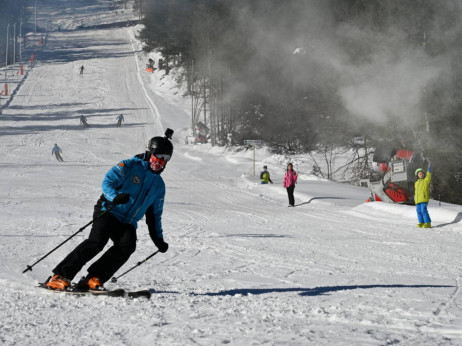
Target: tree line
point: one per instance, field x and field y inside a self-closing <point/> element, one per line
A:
<point x="298" y="74"/>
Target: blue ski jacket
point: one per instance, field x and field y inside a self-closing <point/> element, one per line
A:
<point x="146" y="190"/>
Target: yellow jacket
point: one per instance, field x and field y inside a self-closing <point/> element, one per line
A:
<point x="422" y="189"/>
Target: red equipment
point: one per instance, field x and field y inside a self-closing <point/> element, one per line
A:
<point x="396" y="181"/>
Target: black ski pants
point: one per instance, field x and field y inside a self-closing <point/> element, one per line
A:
<point x="104" y="228"/>
<point x="290" y="193"/>
<point x="58" y="157"/>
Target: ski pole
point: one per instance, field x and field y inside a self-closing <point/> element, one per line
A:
<point x="72" y="236"/>
<point x="114" y="279"/>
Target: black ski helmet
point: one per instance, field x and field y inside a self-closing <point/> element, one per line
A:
<point x="161" y="145"/>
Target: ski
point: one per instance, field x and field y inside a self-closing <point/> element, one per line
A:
<point x="118" y="292"/>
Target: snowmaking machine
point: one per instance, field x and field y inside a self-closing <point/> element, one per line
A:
<point x="394" y="177"/>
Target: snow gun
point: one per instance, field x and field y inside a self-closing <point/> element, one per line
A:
<point x="394" y="178"/>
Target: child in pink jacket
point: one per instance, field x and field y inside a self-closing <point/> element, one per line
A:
<point x="290" y="179"/>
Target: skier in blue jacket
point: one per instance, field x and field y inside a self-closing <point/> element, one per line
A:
<point x="132" y="189"/>
<point x="57" y="152"/>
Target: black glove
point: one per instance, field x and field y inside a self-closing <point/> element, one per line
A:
<point x="161" y="245"/>
<point x="121" y="199"/>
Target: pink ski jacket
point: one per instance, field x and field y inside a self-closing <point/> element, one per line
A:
<point x="290" y="178"/>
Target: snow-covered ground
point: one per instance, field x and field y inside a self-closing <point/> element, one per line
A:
<point x="242" y="268"/>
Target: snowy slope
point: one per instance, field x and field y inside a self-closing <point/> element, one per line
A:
<point x="242" y="268"/>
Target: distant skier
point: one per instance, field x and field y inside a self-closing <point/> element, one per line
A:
<point x="422" y="196"/>
<point x="201" y="132"/>
<point x="81" y="69"/>
<point x="150" y="66"/>
<point x="120" y="119"/>
<point x="132" y="189"/>
<point x="265" y="176"/>
<point x="83" y="121"/>
<point x="57" y="152"/>
<point x="290" y="179"/>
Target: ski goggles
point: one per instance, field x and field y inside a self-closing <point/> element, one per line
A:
<point x="164" y="157"/>
<point x="158" y="164"/>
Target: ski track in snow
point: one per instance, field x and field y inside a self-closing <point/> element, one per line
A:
<point x="242" y="268"/>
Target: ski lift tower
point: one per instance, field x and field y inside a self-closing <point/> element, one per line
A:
<point x="253" y="142"/>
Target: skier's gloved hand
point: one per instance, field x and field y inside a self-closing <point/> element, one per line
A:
<point x="161" y="245"/>
<point x="121" y="199"/>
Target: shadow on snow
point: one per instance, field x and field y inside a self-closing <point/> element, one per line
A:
<point x="319" y="198"/>
<point x="28" y="130"/>
<point x="457" y="219"/>
<point x="256" y="235"/>
<point x="317" y="291"/>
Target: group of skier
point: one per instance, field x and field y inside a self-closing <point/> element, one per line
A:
<point x="83" y="120"/>
<point x="421" y="190"/>
<point x="119" y="208"/>
<point x="290" y="179"/>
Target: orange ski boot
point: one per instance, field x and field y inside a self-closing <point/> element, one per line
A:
<point x="94" y="283"/>
<point x="59" y="283"/>
<point x="90" y="283"/>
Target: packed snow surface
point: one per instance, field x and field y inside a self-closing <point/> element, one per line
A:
<point x="242" y="267"/>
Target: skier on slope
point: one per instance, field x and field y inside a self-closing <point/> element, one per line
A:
<point x="120" y="119"/>
<point x="81" y="69"/>
<point x="265" y="176"/>
<point x="83" y="120"/>
<point x="290" y="179"/>
<point x="57" y="152"/>
<point x="132" y="189"/>
<point x="422" y="196"/>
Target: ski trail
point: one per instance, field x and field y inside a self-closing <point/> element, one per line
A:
<point x="449" y="302"/>
<point x="432" y="325"/>
<point x="151" y="103"/>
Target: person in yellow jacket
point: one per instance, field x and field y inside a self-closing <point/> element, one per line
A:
<point x="265" y="176"/>
<point x="422" y="196"/>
